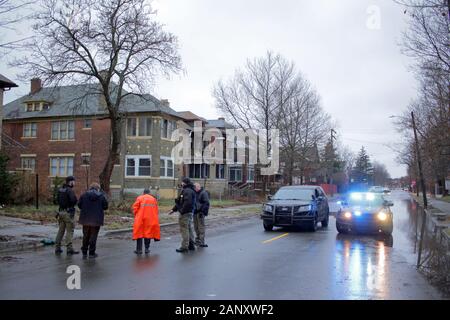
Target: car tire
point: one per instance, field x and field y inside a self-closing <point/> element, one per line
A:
<point x="340" y="228"/>
<point x="325" y="221"/>
<point x="268" y="227"/>
<point x="313" y="224"/>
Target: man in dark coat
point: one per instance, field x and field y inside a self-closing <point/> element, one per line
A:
<point x="201" y="211"/>
<point x="92" y="205"/>
<point x="66" y="215"/>
<point x="185" y="205"/>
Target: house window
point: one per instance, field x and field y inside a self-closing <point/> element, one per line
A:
<point x="63" y="130"/>
<point x="29" y="129"/>
<point x="198" y="171"/>
<point x="85" y="159"/>
<point x="138" y="166"/>
<point x="131" y="127"/>
<point x="28" y="163"/>
<point x="145" y="127"/>
<point x="251" y="173"/>
<point x="139" y="127"/>
<point x="220" y="171"/>
<point x="61" y="166"/>
<point x="166" y="167"/>
<point x="167" y="127"/>
<point x="87" y="123"/>
<point x="235" y="174"/>
<point x="37" y="106"/>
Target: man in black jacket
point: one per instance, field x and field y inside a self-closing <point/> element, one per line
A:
<point x="185" y="205"/>
<point x="66" y="215"/>
<point x="92" y="205"/>
<point x="201" y="211"/>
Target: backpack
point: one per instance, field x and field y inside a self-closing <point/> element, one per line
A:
<point x="63" y="198"/>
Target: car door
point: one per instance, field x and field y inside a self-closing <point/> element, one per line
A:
<point x="319" y="203"/>
<point x="326" y="208"/>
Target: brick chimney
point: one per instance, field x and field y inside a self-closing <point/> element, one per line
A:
<point x="165" y="103"/>
<point x="36" y="85"/>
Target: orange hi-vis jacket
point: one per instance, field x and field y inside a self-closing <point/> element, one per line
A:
<point x="146" y="223"/>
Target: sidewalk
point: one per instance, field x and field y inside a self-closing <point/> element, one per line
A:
<point x="21" y="234"/>
<point x="440" y="213"/>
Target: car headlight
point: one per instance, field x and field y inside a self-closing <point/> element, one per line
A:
<point x="304" y="208"/>
<point x="347" y="215"/>
<point x="382" y="215"/>
<point x="268" y="207"/>
<point x="357" y="213"/>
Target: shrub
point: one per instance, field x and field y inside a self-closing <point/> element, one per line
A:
<point x="7" y="180"/>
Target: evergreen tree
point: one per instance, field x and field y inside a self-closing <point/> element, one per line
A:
<point x="363" y="170"/>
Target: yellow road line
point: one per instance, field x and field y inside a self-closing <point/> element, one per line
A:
<point x="276" y="238"/>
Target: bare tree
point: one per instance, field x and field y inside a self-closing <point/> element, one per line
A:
<point x="254" y="96"/>
<point x="12" y="12"/>
<point x="381" y="175"/>
<point x="427" y="41"/>
<point x="115" y="44"/>
<point x="303" y="126"/>
<point x="269" y="93"/>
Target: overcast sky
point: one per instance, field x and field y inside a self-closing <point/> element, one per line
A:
<point x="349" y="55"/>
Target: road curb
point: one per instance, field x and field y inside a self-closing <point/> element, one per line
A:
<point x="22" y="245"/>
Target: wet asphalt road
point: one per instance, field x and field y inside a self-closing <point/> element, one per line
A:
<point x="242" y="262"/>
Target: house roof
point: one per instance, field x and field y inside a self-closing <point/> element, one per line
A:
<point x="6" y="83"/>
<point x="190" y="116"/>
<point x="219" y="123"/>
<point x="80" y="100"/>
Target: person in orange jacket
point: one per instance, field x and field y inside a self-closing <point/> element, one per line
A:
<point x="146" y="223"/>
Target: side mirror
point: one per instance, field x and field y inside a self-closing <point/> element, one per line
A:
<point x="269" y="197"/>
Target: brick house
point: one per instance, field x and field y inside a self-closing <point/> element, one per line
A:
<point x="5" y="84"/>
<point x="61" y="131"/>
<point x="217" y="178"/>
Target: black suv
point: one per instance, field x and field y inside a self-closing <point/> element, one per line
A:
<point x="296" y="205"/>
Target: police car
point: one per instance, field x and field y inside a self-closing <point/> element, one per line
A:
<point x="365" y="212"/>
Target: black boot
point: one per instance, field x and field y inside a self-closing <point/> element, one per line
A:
<point x="58" y="251"/>
<point x="191" y="246"/>
<point x="71" y="252"/>
<point x="181" y="250"/>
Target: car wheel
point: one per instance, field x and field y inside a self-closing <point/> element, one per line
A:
<point x="268" y="227"/>
<point x="325" y="221"/>
<point x="340" y="228"/>
<point x="313" y="226"/>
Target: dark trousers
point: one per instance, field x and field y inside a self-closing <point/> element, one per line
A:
<point x="90" y="235"/>
<point x="139" y="244"/>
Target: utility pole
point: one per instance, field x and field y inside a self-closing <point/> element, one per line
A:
<point x="333" y="137"/>
<point x="424" y="191"/>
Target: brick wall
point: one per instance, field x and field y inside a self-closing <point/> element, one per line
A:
<point x="95" y="141"/>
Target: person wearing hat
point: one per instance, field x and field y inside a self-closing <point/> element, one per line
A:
<point x="185" y="205"/>
<point x="66" y="215"/>
<point x="146" y="223"/>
